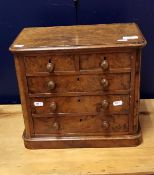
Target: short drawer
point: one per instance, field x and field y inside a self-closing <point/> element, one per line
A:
<point x="81" y="104"/>
<point x="53" y="63"/>
<point x="80" y="83"/>
<point x="105" y="62"/>
<point x="83" y="124"/>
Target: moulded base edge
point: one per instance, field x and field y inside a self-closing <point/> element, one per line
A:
<point x="83" y="141"/>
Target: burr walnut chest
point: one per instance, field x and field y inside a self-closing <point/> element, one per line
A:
<point x="79" y="85"/>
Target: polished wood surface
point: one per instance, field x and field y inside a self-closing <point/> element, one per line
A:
<point x="79" y="83"/>
<point x="38" y="64"/>
<point x="78" y="37"/>
<point x="81" y="104"/>
<point x="118" y="124"/>
<point x="86" y="97"/>
<point x="15" y="159"/>
<point x="114" y="60"/>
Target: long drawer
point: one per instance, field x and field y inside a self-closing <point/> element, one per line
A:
<point x="111" y="124"/>
<point x="79" y="83"/>
<point x="81" y="104"/>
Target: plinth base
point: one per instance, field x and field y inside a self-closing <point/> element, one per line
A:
<point x="83" y="141"/>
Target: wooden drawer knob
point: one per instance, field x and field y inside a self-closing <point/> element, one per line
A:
<point x="55" y="126"/>
<point x="104" y="83"/>
<point x="105" y="104"/>
<point x="53" y="106"/>
<point x="50" y="67"/>
<point x="105" y="65"/>
<point x="51" y="85"/>
<point x="105" y="125"/>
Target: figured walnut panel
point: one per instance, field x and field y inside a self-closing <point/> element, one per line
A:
<point x="77" y="37"/>
<point x="38" y="64"/>
<point x="115" y="61"/>
<point x="85" y="80"/>
<point x="81" y="104"/>
<point x="82" y="124"/>
<point x="80" y="83"/>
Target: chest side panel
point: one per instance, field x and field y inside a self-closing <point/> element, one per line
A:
<point x="23" y="89"/>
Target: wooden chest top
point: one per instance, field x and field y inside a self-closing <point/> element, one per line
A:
<point x="78" y="37"/>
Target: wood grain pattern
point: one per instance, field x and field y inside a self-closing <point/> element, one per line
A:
<point x="137" y="93"/>
<point x="15" y="159"/>
<point x="38" y="64"/>
<point x="77" y="37"/>
<point x="81" y="81"/>
<point x="20" y="71"/>
<point x="77" y="126"/>
<point x="66" y="62"/>
<point x="115" y="61"/>
<point x="81" y="104"/>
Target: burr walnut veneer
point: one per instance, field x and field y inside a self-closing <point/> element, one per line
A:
<point x="79" y="85"/>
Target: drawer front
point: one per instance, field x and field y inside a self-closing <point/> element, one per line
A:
<point x="40" y="64"/>
<point x="83" y="124"/>
<point x="105" y="61"/>
<point x="82" y="104"/>
<point x="81" y="83"/>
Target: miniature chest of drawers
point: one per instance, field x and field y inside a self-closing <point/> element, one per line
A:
<point x="79" y="85"/>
